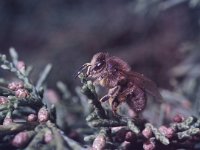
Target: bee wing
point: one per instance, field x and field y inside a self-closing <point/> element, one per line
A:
<point x="145" y="83"/>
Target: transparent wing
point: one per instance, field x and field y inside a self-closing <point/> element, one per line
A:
<point x="145" y="83"/>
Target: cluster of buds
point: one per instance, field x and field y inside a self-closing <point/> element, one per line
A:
<point x="14" y="86"/>
<point x="19" y="89"/>
<point x="149" y="144"/>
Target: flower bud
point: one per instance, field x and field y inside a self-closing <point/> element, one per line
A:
<point x="149" y="145"/>
<point x="15" y="86"/>
<point x="129" y="136"/>
<point x="43" y="115"/>
<point x="178" y="118"/>
<point x="21" y="93"/>
<point x="99" y="143"/>
<point x="32" y="118"/>
<point x="3" y="100"/>
<point x="48" y="137"/>
<point x="168" y="132"/>
<point x="147" y="133"/>
<point x="21" y="66"/>
<point x="21" y="139"/>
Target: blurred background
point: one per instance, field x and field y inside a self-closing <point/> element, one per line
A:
<point x="149" y="35"/>
<point x="159" y="38"/>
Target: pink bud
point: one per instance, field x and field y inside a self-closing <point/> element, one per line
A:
<point x="178" y="118"/>
<point x="22" y="93"/>
<point x="99" y="143"/>
<point x="147" y="133"/>
<point x="163" y="129"/>
<point x="15" y="85"/>
<point x="7" y="121"/>
<point x="129" y="136"/>
<point x="168" y="132"/>
<point x="21" y="66"/>
<point x="149" y="145"/>
<point x="3" y="100"/>
<point x="48" y="137"/>
<point x="32" y="118"/>
<point x="20" y="139"/>
<point x="43" y="115"/>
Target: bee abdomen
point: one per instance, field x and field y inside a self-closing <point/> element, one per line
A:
<point x="137" y="101"/>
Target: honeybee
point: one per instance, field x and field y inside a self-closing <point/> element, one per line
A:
<point x="124" y="85"/>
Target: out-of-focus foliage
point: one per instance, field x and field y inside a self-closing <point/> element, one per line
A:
<point x="159" y="38"/>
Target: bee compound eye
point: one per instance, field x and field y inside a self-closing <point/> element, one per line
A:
<point x="115" y="69"/>
<point x="98" y="66"/>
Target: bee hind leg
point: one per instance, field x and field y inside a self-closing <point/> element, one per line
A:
<point x="115" y="105"/>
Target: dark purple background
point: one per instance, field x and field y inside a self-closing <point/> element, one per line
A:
<point x="67" y="33"/>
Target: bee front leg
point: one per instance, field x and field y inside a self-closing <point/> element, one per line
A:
<point x="113" y="100"/>
<point x="88" y="71"/>
<point x="112" y="94"/>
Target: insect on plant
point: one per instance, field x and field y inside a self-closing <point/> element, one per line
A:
<point x="124" y="84"/>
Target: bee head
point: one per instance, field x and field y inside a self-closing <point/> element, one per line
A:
<point x="98" y="64"/>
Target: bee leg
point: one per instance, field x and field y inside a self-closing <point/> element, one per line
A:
<point x="114" y="108"/>
<point x="88" y="71"/>
<point x="111" y="94"/>
<point x="81" y="69"/>
<point x="104" y="98"/>
<point x="124" y="94"/>
<point x="114" y="91"/>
